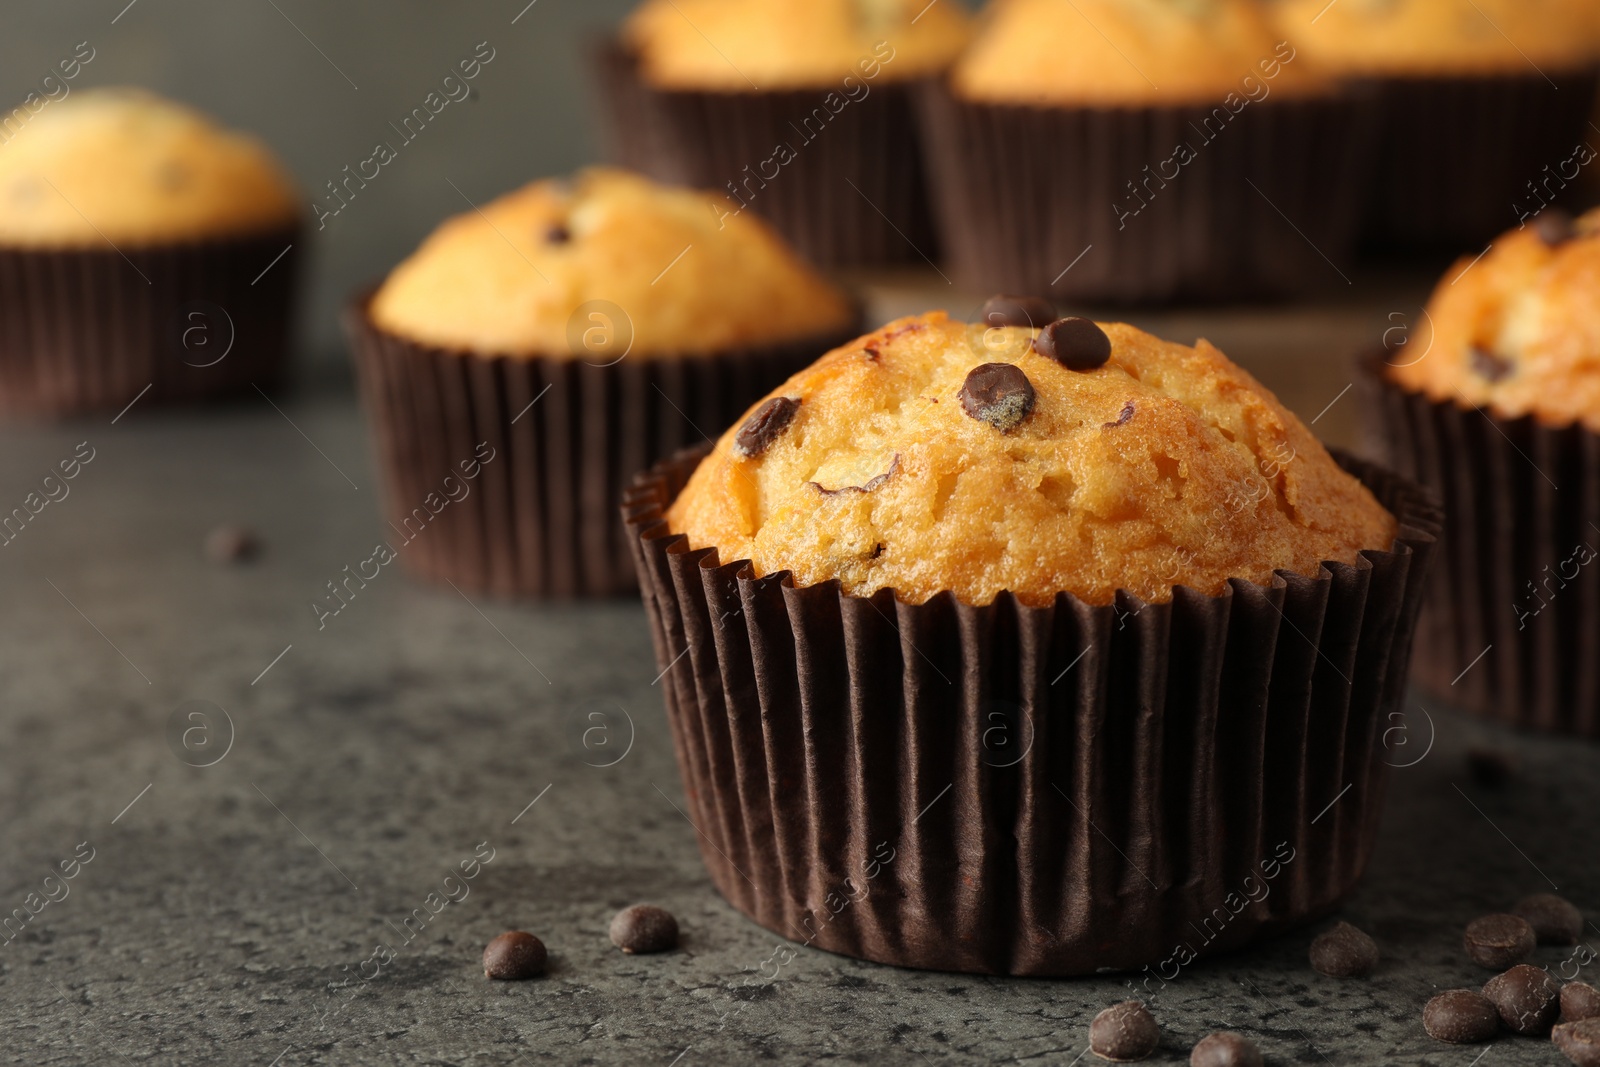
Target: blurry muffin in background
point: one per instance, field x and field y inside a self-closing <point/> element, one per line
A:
<point x="136" y="238"/>
<point x="1496" y="402"/>
<point x="798" y="110"/>
<point x="1498" y="90"/>
<point x="577" y="331"/>
<point x="1142" y="150"/>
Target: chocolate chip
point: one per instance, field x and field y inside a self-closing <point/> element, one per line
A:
<point x="872" y="483"/>
<point x="513" y="956"/>
<point x="1226" y="1049"/>
<point x="1555" y="920"/>
<point x="1554" y="227"/>
<point x="557" y="234"/>
<point x="1076" y="344"/>
<point x="1491" y="768"/>
<point x="1498" y="941"/>
<point x="872" y="353"/>
<point x="876" y="552"/>
<point x="644" y="928"/>
<point x="231" y="543"/>
<point x="1127" y="413"/>
<point x="1579" y="1001"/>
<point x="1527" y="997"/>
<point x="1027" y="311"/>
<point x="765" y="426"/>
<point x="1489" y="366"/>
<point x="1579" y="1042"/>
<point x="1124" y="1032"/>
<point x="1344" y="952"/>
<point x="999" y="394"/>
<point x="1461" y="1017"/>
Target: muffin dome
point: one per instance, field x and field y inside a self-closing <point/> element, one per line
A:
<point x="1400" y="37"/>
<point x="127" y="166"/>
<point x="1122" y="52"/>
<point x="1519" y="330"/>
<point x="690" y="275"/>
<point x="740" y="45"/>
<point x="902" y="461"/>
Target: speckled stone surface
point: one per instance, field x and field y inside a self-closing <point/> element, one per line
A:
<point x="231" y="912"/>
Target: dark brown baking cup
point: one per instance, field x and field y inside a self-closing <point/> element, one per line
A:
<point x="1519" y="497"/>
<point x="89" y="329"/>
<point x="1032" y="199"/>
<point x="1034" y="791"/>
<point x="1510" y="133"/>
<point x="854" y="192"/>
<point x="540" y="520"/>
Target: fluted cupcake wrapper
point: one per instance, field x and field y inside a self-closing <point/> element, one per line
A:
<point x="1513" y="612"/>
<point x="89" y="329"/>
<point x="1031" y="790"/>
<point x="853" y="193"/>
<point x="1462" y="156"/>
<point x="540" y="518"/>
<point x="1058" y="201"/>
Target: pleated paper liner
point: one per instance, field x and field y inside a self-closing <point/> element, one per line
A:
<point x="1058" y="201"/>
<point x="1032" y="791"/>
<point x="1512" y="624"/>
<point x="566" y="436"/>
<point x="853" y="193"/>
<point x="86" y="330"/>
<point x="1511" y="134"/>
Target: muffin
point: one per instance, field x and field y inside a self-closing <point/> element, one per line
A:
<point x="553" y="343"/>
<point x="799" y="110"/>
<point x="1496" y="402"/>
<point x="1498" y="89"/>
<point x="1142" y="150"/>
<point x="1019" y="651"/>
<point x="145" y="252"/>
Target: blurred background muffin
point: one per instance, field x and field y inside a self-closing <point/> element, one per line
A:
<point x="576" y="331"/>
<point x="1498" y="89"/>
<point x="798" y="110"/>
<point x="142" y="247"/>
<point x="1142" y="150"/>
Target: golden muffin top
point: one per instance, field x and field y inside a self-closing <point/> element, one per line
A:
<point x="1125" y="52"/>
<point x="605" y="264"/>
<point x="127" y="166"/>
<point x="749" y="45"/>
<point x="1440" y="36"/>
<point x="1083" y="458"/>
<point x="1517" y="331"/>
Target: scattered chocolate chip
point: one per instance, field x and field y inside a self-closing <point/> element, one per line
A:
<point x="1498" y="941"/>
<point x="1489" y="366"/>
<point x="1527" y="997"/>
<point x="1225" y="1049"/>
<point x="999" y="394"/>
<point x="1028" y="311"/>
<point x="1127" y="413"/>
<point x="557" y="234"/>
<point x="1461" y="1017"/>
<point x="231" y="543"/>
<point x="1076" y="344"/>
<point x="1344" y="952"/>
<point x="1491" y="768"/>
<point x="1554" y="227"/>
<point x="1579" y="1042"/>
<point x="1555" y="920"/>
<point x="765" y="426"/>
<point x="1579" y="1001"/>
<point x="513" y="956"/>
<point x="644" y="928"/>
<point x="872" y="483"/>
<point x="1124" y="1032"/>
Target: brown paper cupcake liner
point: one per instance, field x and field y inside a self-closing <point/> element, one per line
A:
<point x="1460" y="154"/>
<point x="853" y="193"/>
<point x="88" y="329"/>
<point x="540" y="520"/>
<point x="1031" y="791"/>
<point x="1513" y="613"/>
<point x="1057" y="201"/>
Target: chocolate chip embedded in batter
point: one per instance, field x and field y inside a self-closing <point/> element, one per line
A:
<point x="557" y="234"/>
<point x="1554" y="227"/>
<point x="1077" y="344"/>
<point x="1026" y="311"/>
<point x="872" y="353"/>
<point x="999" y="394"/>
<point x="1127" y="413"/>
<point x="1489" y="366"/>
<point x="765" y="426"/>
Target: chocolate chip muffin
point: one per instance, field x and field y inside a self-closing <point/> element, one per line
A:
<point x="576" y="330"/>
<point x="949" y="619"/>
<point x="131" y="230"/>
<point x="1495" y="402"/>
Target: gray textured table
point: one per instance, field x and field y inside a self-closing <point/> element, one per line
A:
<point x="230" y="913"/>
